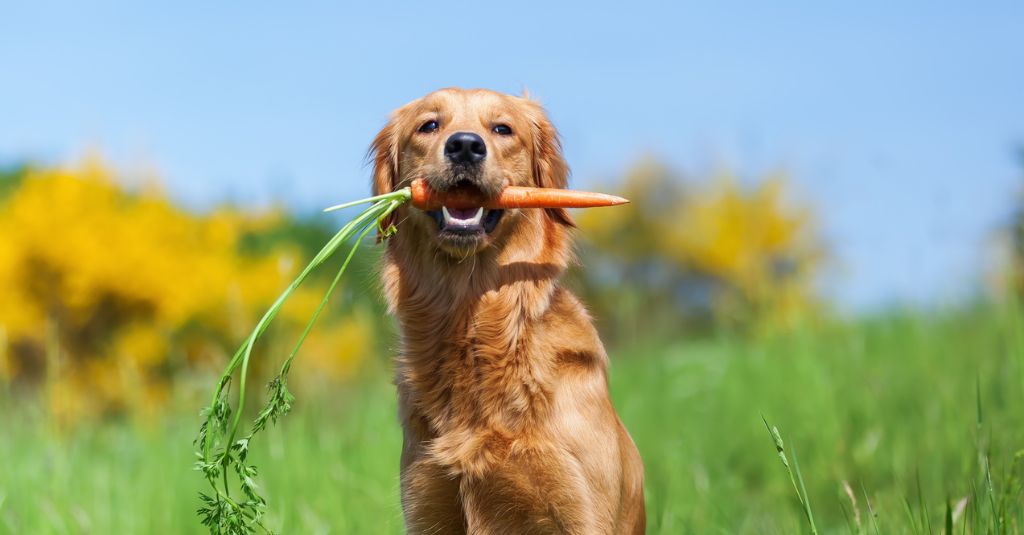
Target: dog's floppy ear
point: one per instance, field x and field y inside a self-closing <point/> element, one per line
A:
<point x="383" y="154"/>
<point x="549" y="167"/>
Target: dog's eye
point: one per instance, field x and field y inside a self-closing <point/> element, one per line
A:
<point x="502" y="130"/>
<point x="428" y="127"/>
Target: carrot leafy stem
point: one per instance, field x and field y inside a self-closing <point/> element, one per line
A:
<point x="222" y="458"/>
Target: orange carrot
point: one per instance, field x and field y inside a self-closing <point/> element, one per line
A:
<point x="425" y="198"/>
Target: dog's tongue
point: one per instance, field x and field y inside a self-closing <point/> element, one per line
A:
<point x="462" y="213"/>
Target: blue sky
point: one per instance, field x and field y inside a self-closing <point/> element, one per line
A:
<point x="897" y="119"/>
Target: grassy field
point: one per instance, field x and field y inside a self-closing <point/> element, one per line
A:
<point x="915" y="413"/>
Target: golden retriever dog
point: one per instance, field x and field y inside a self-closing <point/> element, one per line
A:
<point x="501" y="376"/>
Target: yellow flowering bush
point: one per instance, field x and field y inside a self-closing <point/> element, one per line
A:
<point x="746" y="255"/>
<point x="110" y="294"/>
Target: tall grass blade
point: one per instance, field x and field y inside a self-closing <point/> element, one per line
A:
<point x="803" y="491"/>
<point x="847" y="517"/>
<point x="853" y="506"/>
<point x="990" y="491"/>
<point x="985" y="460"/>
<point x="911" y="517"/>
<point x="949" y="517"/>
<point x="871" y="509"/>
<point x="799" y="489"/>
<point x="926" y="522"/>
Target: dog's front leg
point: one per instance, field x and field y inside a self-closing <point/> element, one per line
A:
<point x="430" y="495"/>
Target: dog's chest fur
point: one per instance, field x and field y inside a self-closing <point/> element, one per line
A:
<point x="476" y="365"/>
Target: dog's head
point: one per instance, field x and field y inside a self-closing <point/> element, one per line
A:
<point x="473" y="139"/>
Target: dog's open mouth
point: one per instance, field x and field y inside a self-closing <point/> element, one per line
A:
<point x="466" y="221"/>
<point x="463" y="221"/>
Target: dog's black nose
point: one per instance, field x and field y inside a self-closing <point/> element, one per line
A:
<point x="465" y="147"/>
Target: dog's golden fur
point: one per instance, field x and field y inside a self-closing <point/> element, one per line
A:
<point x="502" y="379"/>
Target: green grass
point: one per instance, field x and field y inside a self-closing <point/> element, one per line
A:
<point x="914" y="412"/>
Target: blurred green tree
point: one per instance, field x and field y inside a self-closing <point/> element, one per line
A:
<point x="699" y="255"/>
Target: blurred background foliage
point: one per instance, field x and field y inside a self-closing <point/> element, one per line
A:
<point x="700" y="254"/>
<point x="113" y="292"/>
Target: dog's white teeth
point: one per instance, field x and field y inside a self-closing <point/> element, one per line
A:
<point x="470" y="221"/>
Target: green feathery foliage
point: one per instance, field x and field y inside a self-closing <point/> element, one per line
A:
<point x="221" y="450"/>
